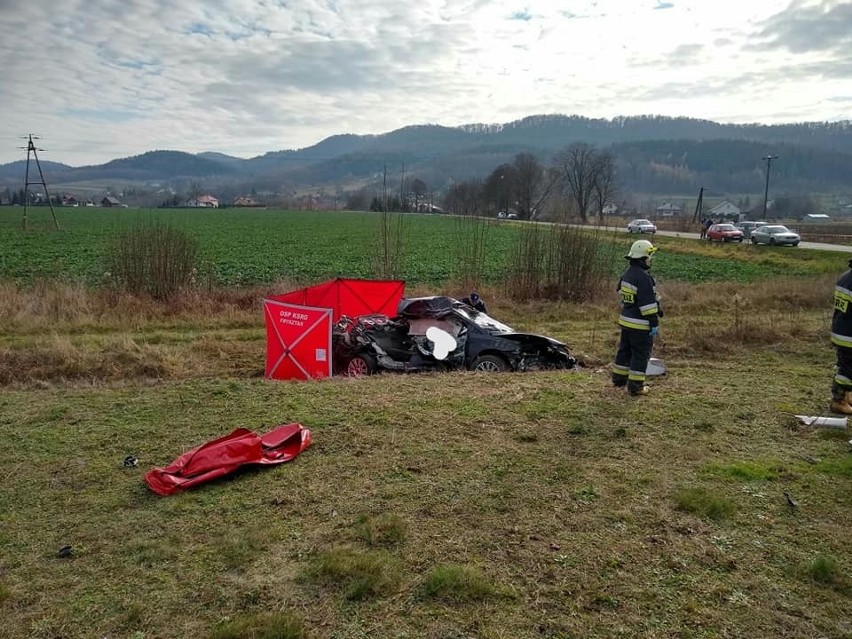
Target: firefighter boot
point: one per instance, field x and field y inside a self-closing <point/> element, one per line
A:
<point x="840" y="401"/>
<point x="638" y="390"/>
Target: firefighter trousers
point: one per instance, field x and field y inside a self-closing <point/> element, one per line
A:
<point x="843" y="373"/>
<point x="631" y="359"/>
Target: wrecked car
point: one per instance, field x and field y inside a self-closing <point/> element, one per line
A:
<point x="440" y="333"/>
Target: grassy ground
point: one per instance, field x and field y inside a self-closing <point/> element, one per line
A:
<point x="438" y="506"/>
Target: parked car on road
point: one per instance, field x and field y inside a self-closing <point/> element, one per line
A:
<point x="747" y="226"/>
<point x="406" y="343"/>
<point x="774" y="234"/>
<point x="724" y="233"/>
<point x="641" y="226"/>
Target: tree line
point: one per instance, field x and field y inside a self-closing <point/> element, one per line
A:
<point x="581" y="176"/>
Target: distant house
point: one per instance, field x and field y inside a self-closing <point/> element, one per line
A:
<point x="622" y="210"/>
<point x="244" y="200"/>
<point x="110" y="201"/>
<point x="667" y="209"/>
<point x="204" y="201"/>
<point x="725" y="211"/>
<point x="69" y="200"/>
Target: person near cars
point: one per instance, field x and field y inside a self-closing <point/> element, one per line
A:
<point x="639" y="319"/>
<point x="704" y="227"/>
<point x="841" y="338"/>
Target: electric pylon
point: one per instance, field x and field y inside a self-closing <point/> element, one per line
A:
<point x="31" y="148"/>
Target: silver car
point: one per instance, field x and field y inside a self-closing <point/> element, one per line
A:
<point x="747" y="226"/>
<point x="773" y="234"/>
<point x="641" y="226"/>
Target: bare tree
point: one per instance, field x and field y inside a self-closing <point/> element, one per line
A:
<point x="581" y="168"/>
<point x="419" y="189"/>
<point x="604" y="185"/>
<point x="501" y="186"/>
<point x="465" y="198"/>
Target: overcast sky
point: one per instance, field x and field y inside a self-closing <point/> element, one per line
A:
<point x="102" y="79"/>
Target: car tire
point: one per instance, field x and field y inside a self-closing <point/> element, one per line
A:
<point x="489" y="364"/>
<point x="360" y="365"/>
<point x="771" y="241"/>
<point x="795" y="243"/>
<point x="754" y="241"/>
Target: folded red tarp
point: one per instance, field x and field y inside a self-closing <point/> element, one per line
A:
<point x="224" y="455"/>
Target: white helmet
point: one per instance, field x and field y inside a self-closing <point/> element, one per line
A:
<point x="640" y="249"/>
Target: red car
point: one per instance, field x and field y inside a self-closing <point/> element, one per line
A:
<point x="724" y="233"/>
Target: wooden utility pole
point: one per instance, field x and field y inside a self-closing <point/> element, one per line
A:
<point x="31" y="149"/>
<point x="698" y="205"/>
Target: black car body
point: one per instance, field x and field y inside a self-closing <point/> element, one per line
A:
<point x="372" y="343"/>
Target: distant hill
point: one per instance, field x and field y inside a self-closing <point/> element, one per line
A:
<point x="15" y="170"/>
<point x="653" y="154"/>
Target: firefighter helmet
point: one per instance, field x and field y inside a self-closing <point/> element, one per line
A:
<point x="640" y="249"/>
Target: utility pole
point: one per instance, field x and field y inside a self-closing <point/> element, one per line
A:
<point x="768" y="159"/>
<point x="31" y="148"/>
<point x="402" y="202"/>
<point x="698" y="205"/>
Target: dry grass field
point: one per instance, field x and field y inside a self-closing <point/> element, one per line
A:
<point x="436" y="506"/>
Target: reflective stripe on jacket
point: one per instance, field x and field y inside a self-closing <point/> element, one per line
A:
<point x="640" y="309"/>
<point x="841" y="323"/>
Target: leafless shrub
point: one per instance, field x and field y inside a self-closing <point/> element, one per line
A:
<point x="152" y="259"/>
<point x="471" y="242"/>
<point x="561" y="262"/>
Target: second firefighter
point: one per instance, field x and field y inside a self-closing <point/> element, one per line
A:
<point x="639" y="319"/>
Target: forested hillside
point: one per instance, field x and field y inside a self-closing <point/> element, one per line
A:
<point x="653" y="155"/>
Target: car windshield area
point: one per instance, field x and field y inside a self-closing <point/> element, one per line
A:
<point x="642" y="221"/>
<point x="725" y="227"/>
<point x="774" y="229"/>
<point x="483" y="320"/>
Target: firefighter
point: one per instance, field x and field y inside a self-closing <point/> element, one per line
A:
<point x="639" y="319"/>
<point x="841" y="337"/>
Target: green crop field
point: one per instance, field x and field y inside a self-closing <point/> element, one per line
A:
<point x="253" y="246"/>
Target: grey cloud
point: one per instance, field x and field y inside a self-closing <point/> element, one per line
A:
<point x="686" y="54"/>
<point x="802" y="28"/>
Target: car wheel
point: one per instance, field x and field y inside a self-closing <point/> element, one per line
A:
<point x="795" y="243"/>
<point x="740" y="240"/>
<point x="754" y="240"/>
<point x="771" y="241"/>
<point x="360" y="365"/>
<point x="489" y="364"/>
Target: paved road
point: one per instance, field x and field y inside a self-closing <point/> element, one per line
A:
<point x="842" y="248"/>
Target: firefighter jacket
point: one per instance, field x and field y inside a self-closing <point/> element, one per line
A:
<point x="640" y="308"/>
<point x="841" y="323"/>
